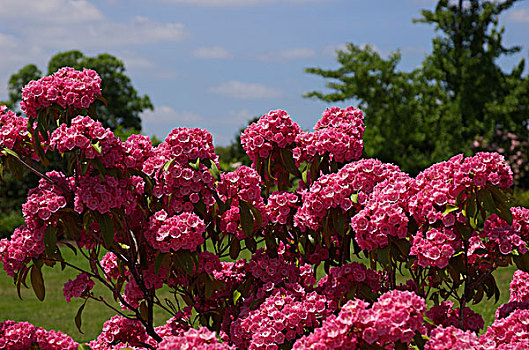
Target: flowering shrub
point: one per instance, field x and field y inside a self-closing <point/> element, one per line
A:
<point x="301" y="250"/>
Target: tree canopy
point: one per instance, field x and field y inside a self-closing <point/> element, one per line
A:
<point x="458" y="93"/>
<point x="124" y="103"/>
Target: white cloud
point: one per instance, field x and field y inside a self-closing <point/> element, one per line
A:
<point x="238" y="2"/>
<point x="240" y="117"/>
<point x="214" y="52"/>
<point x="166" y="115"/>
<point x="246" y="91"/>
<point x="520" y="16"/>
<point x="106" y="34"/>
<point x="50" y="11"/>
<point x="331" y="49"/>
<point x="288" y="54"/>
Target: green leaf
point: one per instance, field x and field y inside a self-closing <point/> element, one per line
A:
<point x="214" y="170"/>
<point x="186" y="261"/>
<point x="247" y="220"/>
<point x="144" y="313"/>
<point x="160" y="258"/>
<point x="168" y="164"/>
<point x="486" y="200"/>
<point x="315" y="168"/>
<point x="50" y="240"/>
<point x="235" y="248"/>
<point x="37" y="282"/>
<point x="450" y="208"/>
<point x="7" y="151"/>
<point x="287" y="159"/>
<point x="21" y="279"/>
<point x="339" y="223"/>
<point x="97" y="147"/>
<point x="251" y="244"/>
<point x="78" y="316"/>
<point x="83" y="347"/>
<point x="195" y="165"/>
<point x="107" y="229"/>
<point x="236" y="296"/>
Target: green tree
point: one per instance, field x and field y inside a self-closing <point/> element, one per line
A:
<point x="124" y="103"/>
<point x="420" y="117"/>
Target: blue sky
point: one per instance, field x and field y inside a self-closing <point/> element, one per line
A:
<point x="215" y="64"/>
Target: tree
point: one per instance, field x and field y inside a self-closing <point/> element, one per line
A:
<point x="125" y="104"/>
<point x="458" y="93"/>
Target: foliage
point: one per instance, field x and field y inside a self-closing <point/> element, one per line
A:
<point x="238" y="251"/>
<point x="459" y="92"/>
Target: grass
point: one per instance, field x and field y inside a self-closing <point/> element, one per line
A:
<point x="54" y="312"/>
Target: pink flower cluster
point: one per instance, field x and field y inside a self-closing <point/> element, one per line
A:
<point x="395" y="317"/>
<point x="109" y="263"/>
<point x="23" y="245"/>
<point x="281" y="318"/>
<point x="274" y="130"/>
<point x="66" y="87"/>
<point x="520" y="223"/>
<point x="14" y="134"/>
<point x="102" y="194"/>
<point x="137" y="149"/>
<point x="120" y="332"/>
<point x="172" y="233"/>
<point x="336" y="332"/>
<point x="445" y="315"/>
<point x="177" y="179"/>
<point x="272" y="270"/>
<point x="76" y="288"/>
<point x="342" y="279"/>
<point x="519" y="295"/>
<point x="45" y="200"/>
<point x="24" y="335"/>
<point x="200" y="339"/>
<point x="452" y="338"/>
<point x="511" y="332"/>
<point x="441" y="183"/>
<point x="339" y="134"/>
<point x="335" y="191"/>
<point x="281" y="207"/>
<point x="241" y="184"/>
<point x="499" y="234"/>
<point x="434" y="247"/>
<point x="85" y="134"/>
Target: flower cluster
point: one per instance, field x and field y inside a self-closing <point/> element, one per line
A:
<point x="445" y="315"/>
<point x="133" y="294"/>
<point x="23" y="245"/>
<point x="45" y="200"/>
<point x="91" y="138"/>
<point x="14" y="134"/>
<point x="76" y="288"/>
<point x="342" y="279"/>
<point x="172" y="233"/>
<point x="120" y="332"/>
<point x="180" y="165"/>
<point x="498" y="233"/>
<point x="104" y="193"/>
<point x="200" y="339"/>
<point x="355" y="179"/>
<point x="511" y="332"/>
<point x="395" y="316"/>
<point x="272" y="270"/>
<point x="452" y="338"/>
<point x="274" y="130"/>
<point x="281" y="318"/>
<point x="335" y="332"/>
<point x="242" y="184"/>
<point x="519" y="295"/>
<point x="281" y="207"/>
<point x="109" y="264"/>
<point x="137" y="149"/>
<point x="66" y="87"/>
<point x="434" y="247"/>
<point x="23" y="335"/>
<point x="339" y="134"/>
